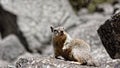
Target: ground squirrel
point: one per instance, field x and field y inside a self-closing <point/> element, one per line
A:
<point x="71" y="49"/>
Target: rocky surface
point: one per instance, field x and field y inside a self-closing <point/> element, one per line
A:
<point x="35" y="24"/>
<point x="34" y="20"/>
<point x="3" y="64"/>
<point x="50" y="62"/>
<point x="9" y="25"/>
<point x="11" y="48"/>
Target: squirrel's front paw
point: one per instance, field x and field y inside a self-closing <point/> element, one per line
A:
<point x="64" y="48"/>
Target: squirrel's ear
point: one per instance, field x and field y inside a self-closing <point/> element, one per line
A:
<point x="63" y="27"/>
<point x="51" y="27"/>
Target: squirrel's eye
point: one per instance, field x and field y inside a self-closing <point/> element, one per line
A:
<point x="55" y="30"/>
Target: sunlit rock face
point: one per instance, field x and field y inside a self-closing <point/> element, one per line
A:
<point x="36" y="16"/>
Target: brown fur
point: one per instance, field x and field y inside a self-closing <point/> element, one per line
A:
<point x="72" y="49"/>
<point x="58" y="42"/>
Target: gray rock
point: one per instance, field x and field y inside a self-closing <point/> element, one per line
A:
<point x="3" y="64"/>
<point x="44" y="62"/>
<point x="26" y="55"/>
<point x="36" y="16"/>
<point x="108" y="8"/>
<point x="95" y="16"/>
<point x="10" y="48"/>
<point x="50" y="62"/>
<point x="117" y="8"/>
<point x="48" y="50"/>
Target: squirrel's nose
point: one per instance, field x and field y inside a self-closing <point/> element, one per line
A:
<point x="61" y="31"/>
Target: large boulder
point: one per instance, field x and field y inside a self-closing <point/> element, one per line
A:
<point x="11" y="48"/>
<point x="9" y="25"/>
<point x="109" y="34"/>
<point x="36" y="16"/>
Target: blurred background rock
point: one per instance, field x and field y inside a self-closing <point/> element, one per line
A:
<point x="81" y="19"/>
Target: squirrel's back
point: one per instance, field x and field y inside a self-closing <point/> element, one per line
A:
<point x="81" y="44"/>
<point x="78" y="50"/>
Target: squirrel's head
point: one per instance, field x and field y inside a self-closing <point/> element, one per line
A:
<point x="58" y="31"/>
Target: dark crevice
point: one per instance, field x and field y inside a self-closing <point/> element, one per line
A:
<point x="78" y="4"/>
<point x="8" y="25"/>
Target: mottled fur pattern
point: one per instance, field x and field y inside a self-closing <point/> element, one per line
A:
<point x="71" y="49"/>
<point x="58" y="42"/>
